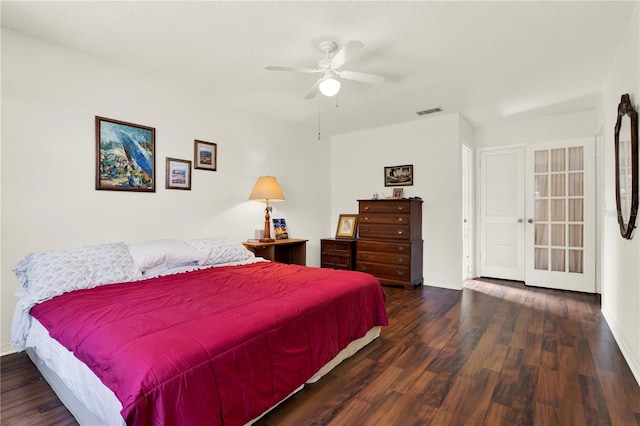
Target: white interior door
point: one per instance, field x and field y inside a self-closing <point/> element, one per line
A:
<point x="502" y="214"/>
<point x="467" y="214"/>
<point x="560" y="229"/>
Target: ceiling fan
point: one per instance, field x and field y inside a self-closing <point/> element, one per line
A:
<point x="328" y="84"/>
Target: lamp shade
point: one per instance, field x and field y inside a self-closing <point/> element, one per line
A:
<point x="329" y="86"/>
<point x="267" y="188"/>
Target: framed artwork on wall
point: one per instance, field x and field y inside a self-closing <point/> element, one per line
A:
<point x="205" y="156"/>
<point x="398" y="175"/>
<point x="178" y="174"/>
<point x="347" y="226"/>
<point x="125" y="156"/>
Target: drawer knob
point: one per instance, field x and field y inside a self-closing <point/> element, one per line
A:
<point x="400" y="248"/>
<point x="366" y="207"/>
<point x="399" y="273"/>
<point x="363" y="268"/>
<point x="400" y="232"/>
<point x="364" y="256"/>
<point x="365" y="245"/>
<point x="400" y="260"/>
<point x="365" y="230"/>
<point x="400" y="208"/>
<point x="366" y="218"/>
<point x="400" y="219"/>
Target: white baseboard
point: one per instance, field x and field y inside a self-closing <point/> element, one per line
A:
<point x="444" y="284"/>
<point x="627" y="353"/>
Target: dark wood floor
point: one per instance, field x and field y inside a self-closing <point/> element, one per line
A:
<point x="496" y="353"/>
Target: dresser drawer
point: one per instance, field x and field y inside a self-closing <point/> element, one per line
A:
<point x="377" y="230"/>
<point x="383" y="207"/>
<point x="338" y="261"/>
<point x="383" y="271"/>
<point x="387" y="258"/>
<point x="331" y="245"/>
<point x="383" y="246"/>
<point x="385" y="218"/>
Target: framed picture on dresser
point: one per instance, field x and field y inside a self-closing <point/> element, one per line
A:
<point x="347" y="226"/>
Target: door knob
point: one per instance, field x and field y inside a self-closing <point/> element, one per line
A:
<point x="530" y="220"/>
<point x="520" y="220"/>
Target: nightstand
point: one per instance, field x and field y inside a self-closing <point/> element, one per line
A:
<point x="338" y="253"/>
<point x="290" y="251"/>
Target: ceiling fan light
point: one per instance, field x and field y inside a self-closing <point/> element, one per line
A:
<point x="329" y="86"/>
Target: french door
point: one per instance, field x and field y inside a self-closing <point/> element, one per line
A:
<point x="560" y="231"/>
<point x="538" y="214"/>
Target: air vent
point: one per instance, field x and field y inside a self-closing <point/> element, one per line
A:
<point x="429" y="111"/>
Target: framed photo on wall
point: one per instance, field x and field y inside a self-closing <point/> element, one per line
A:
<point x="125" y="156"/>
<point x="205" y="156"/>
<point x="347" y="226"/>
<point x="178" y="174"/>
<point x="398" y="175"/>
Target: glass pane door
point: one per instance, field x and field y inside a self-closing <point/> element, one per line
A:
<point x="561" y="215"/>
<point x="558" y="217"/>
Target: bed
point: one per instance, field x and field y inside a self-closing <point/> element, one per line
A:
<point x="194" y="332"/>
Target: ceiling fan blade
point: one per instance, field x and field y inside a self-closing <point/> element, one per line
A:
<point x="314" y="90"/>
<point x="361" y="76"/>
<point x="347" y="52"/>
<point x="276" y="68"/>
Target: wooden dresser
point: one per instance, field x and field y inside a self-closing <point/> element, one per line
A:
<point x="338" y="253"/>
<point x="389" y="245"/>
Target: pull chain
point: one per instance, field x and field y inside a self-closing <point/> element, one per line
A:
<point x="319" y="133"/>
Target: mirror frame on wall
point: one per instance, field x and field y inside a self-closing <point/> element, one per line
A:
<point x="627" y="111"/>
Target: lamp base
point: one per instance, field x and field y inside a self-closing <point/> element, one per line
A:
<point x="267" y="240"/>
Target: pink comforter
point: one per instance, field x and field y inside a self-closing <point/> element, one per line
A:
<point x="215" y="346"/>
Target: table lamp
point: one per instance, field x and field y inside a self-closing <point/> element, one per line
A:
<point x="267" y="189"/>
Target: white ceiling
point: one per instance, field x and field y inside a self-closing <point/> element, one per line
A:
<point x="488" y="60"/>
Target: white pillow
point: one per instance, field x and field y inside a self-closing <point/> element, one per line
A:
<point x="218" y="250"/>
<point x="157" y="255"/>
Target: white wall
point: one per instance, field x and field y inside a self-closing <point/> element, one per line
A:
<point x="433" y="146"/>
<point x="570" y="125"/>
<point x="50" y="97"/>
<point x="621" y="258"/>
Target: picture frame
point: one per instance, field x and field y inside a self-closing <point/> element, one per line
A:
<point x="205" y="155"/>
<point x="125" y="156"/>
<point x="178" y="175"/>
<point x="280" y="229"/>
<point x="347" y="226"/>
<point x="398" y="192"/>
<point x="398" y="175"/>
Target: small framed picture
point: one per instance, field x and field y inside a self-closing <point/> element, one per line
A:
<point x="347" y="226"/>
<point x="178" y="174"/>
<point x="205" y="156"/>
<point x="280" y="229"/>
<point x="398" y="175"/>
<point x="397" y="192"/>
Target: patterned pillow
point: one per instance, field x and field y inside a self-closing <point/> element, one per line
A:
<point x="220" y="250"/>
<point x="46" y="274"/>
